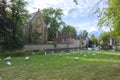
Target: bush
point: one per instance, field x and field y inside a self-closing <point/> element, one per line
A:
<point x="41" y="52"/>
<point x="105" y="47"/>
<point x="13" y="44"/>
<point x="16" y="53"/>
<point x="50" y="42"/>
<point x="118" y="47"/>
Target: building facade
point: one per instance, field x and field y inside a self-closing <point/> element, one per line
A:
<point x="36" y="30"/>
<point x="67" y="38"/>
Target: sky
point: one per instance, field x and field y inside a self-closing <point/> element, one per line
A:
<point x="80" y="16"/>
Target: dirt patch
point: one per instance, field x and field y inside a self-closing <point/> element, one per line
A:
<point x="116" y="77"/>
<point x="116" y="66"/>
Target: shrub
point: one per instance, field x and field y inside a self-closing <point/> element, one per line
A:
<point x="41" y="52"/>
<point x="50" y="42"/>
<point x="118" y="47"/>
<point x="16" y="53"/>
<point x="13" y="44"/>
<point x="105" y="47"/>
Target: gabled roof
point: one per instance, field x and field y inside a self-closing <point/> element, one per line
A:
<point x="33" y="14"/>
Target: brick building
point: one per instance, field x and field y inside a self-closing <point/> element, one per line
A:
<point x="36" y="25"/>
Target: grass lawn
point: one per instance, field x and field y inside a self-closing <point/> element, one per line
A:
<point x="91" y="65"/>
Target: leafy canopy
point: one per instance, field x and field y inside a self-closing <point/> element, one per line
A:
<point x="109" y="16"/>
<point x="53" y="21"/>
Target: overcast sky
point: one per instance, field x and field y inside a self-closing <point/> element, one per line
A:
<point x="79" y="16"/>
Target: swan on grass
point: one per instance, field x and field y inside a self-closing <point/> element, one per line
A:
<point x="8" y="63"/>
<point x="26" y="58"/>
<point x="7" y="58"/>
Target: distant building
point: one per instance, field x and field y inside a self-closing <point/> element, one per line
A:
<point x="67" y="38"/>
<point x="113" y="42"/>
<point x="36" y="23"/>
<point x="86" y="42"/>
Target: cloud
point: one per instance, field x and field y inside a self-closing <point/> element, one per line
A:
<point x="89" y="26"/>
<point x="65" y="5"/>
<point x="106" y="29"/>
<point x="75" y="15"/>
<point x="68" y="6"/>
<point x="35" y="4"/>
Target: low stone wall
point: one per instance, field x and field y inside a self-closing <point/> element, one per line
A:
<point x="40" y="47"/>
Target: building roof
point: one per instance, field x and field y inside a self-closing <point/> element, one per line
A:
<point x="32" y="15"/>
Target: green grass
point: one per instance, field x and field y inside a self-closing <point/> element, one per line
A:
<point x="105" y="65"/>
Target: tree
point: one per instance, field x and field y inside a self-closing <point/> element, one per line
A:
<point x="109" y="16"/>
<point x="19" y="17"/>
<point x="113" y="14"/>
<point x="104" y="38"/>
<point x="93" y="40"/>
<point x="16" y="15"/>
<point x="69" y="28"/>
<point x="3" y="18"/>
<point x="53" y="19"/>
<point x="84" y="34"/>
<point x="5" y="23"/>
<point x="36" y="35"/>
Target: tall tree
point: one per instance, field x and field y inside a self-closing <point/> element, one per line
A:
<point x="104" y="38"/>
<point x="19" y="16"/>
<point x="3" y="18"/>
<point x="113" y="14"/>
<point x="93" y="40"/>
<point x="69" y="28"/>
<point x="5" y="23"/>
<point x="109" y="16"/>
<point x="84" y="34"/>
<point x="14" y="19"/>
<point x="53" y="19"/>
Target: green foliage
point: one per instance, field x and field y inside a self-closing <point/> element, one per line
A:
<point x="113" y="14"/>
<point x="14" y="21"/>
<point x="106" y="47"/>
<point x="40" y="52"/>
<point x="93" y="39"/>
<point x="5" y="23"/>
<point x="16" y="53"/>
<point x="69" y="28"/>
<point x="11" y="44"/>
<point x="83" y="34"/>
<point x="53" y="19"/>
<point x="36" y="36"/>
<point x="104" y="38"/>
<point x="109" y="16"/>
